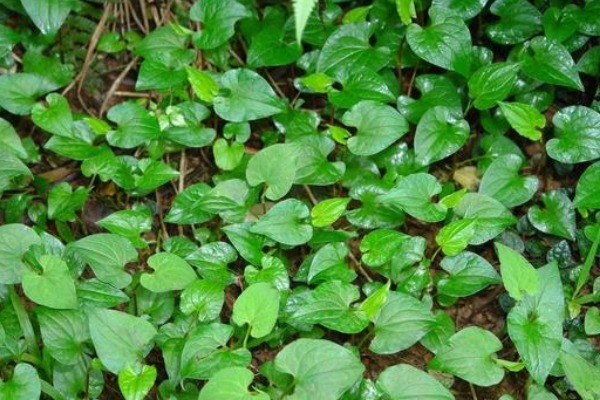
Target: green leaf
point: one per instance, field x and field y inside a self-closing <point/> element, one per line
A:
<point x="583" y="375"/>
<point x="440" y="133"/>
<point x="490" y="216"/>
<point x="587" y="193"/>
<point x="135" y="385"/>
<point x="471" y="355"/>
<point x="518" y="275"/>
<point x="466" y="9"/>
<point x="405" y="382"/>
<point x="329" y="263"/>
<point x="171" y="272"/>
<point x="204" y="352"/>
<point x="468" y="272"/>
<point x="373" y="303"/>
<point x="276" y="166"/>
<point x="401" y="322"/>
<point x="49" y="15"/>
<point x="455" y="237"/>
<point x="23" y="385"/>
<point x="107" y="254"/>
<point x="557" y="217"/>
<point x="524" y="119"/>
<point x="328" y="211"/>
<point x="320" y="368"/>
<point x="257" y="306"/>
<point x="330" y="305"/>
<point x="273" y="45"/>
<point x="492" y="83"/>
<point x="56" y="118"/>
<point x="19" y="92"/>
<point x="55" y="278"/>
<point x="203" y="84"/>
<point x="441" y="331"/>
<point x="551" y="63"/>
<point x="10" y="168"/>
<point x="406" y="10"/>
<point x="519" y="20"/>
<point x="204" y="298"/>
<point x="302" y="11"/>
<point x="248" y="244"/>
<point x="9" y="140"/>
<point x="121" y="340"/>
<point x="188" y="207"/>
<point x="245" y="96"/>
<point x="129" y="224"/>
<point x="136" y="126"/>
<point x="535" y="324"/>
<point x="348" y="49"/>
<point x="15" y="240"/>
<point x="378" y="127"/>
<point x="445" y="43"/>
<point x="228" y="156"/>
<point x="218" y="18"/>
<point x="414" y="193"/>
<point x="272" y="271"/>
<point x="63" y="202"/>
<point x="284" y="223"/>
<point x="502" y="182"/>
<point x="231" y="384"/>
<point x="592" y="321"/>
<point x="576" y="135"/>
<point x="436" y="90"/>
<point x="64" y="333"/>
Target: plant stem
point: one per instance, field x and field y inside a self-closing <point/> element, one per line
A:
<point x="245" y="344"/>
<point x="587" y="265"/>
<point x="25" y="323"/>
<point x="50" y="391"/>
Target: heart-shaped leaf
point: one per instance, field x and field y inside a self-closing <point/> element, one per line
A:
<point x="576" y="135"/>
<point x="257" y="306"/>
<point x="231" y="384"/>
<point x="503" y="182"/>
<point x="276" y="166"/>
<point x="55" y="278"/>
<point x="557" y="217"/>
<point x="524" y="119"/>
<point x="405" y="382"/>
<point x="587" y="194"/>
<point x="171" y="272"/>
<point x="135" y="385"/>
<point x="284" y="223"/>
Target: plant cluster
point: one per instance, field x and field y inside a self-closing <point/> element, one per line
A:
<point x="293" y="197"/>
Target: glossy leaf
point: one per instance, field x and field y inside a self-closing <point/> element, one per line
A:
<point x="576" y="133"/>
<point x="55" y="278"/>
<point x="518" y="275"/>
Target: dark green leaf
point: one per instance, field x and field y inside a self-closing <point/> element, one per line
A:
<point x="503" y="182"/>
<point x="218" y="18"/>
<point x="576" y="135"/>
<point x="557" y="217"/>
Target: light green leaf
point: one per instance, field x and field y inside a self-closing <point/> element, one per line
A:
<point x="284" y="223"/>
<point x="587" y="193"/>
<point x="48" y="15"/>
<point x="10" y="168"/>
<point x="328" y="211"/>
<point x="455" y="237"/>
<point x="551" y="63"/>
<point x="228" y="156"/>
<point x="63" y="202"/>
<point x="320" y="369"/>
<point x="471" y="355"/>
<point x="557" y="217"/>
<point x="107" y="254"/>
<point x="492" y="83"/>
<point x="576" y="135"/>
<point x="535" y="324"/>
<point x="445" y="43"/>
<point x="584" y="376"/>
<point x="231" y="384"/>
<point x="440" y="133"/>
<point x="23" y="385"/>
<point x="171" y="272"/>
<point x="468" y="272"/>
<point x="518" y="275"/>
<point x="121" y="340"/>
<point x="592" y="321"/>
<point x="56" y="118"/>
<point x="378" y="127"/>
<point x="405" y="382"/>
<point x="218" y="18"/>
<point x="490" y="216"/>
<point x="524" y="119"/>
<point x="245" y="96"/>
<point x="272" y="270"/>
<point x="15" y="240"/>
<point x="276" y="166"/>
<point x="466" y="9"/>
<point x="136" y="126"/>
<point x="203" y="84"/>
<point x="134" y="384"/>
<point x="502" y="181"/>
<point x="204" y="298"/>
<point x="436" y="90"/>
<point x="9" y="140"/>
<point x="129" y="224"/>
<point x="302" y="11"/>
<point x="55" y="278"/>
<point x="257" y="306"/>
<point x="401" y="322"/>
<point x="406" y="10"/>
<point x="373" y="303"/>
<point x="414" y="193"/>
<point x="330" y="305"/>
<point x="19" y="92"/>
<point x="63" y="333"/>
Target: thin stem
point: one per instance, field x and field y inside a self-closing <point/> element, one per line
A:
<point x="50" y="391"/>
<point x="247" y="336"/>
<point x="587" y="265"/>
<point x="25" y="323"/>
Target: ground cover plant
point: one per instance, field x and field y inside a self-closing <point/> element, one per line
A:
<point x="243" y="199"/>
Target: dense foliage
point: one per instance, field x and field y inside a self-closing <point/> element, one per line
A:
<point x="355" y="200"/>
